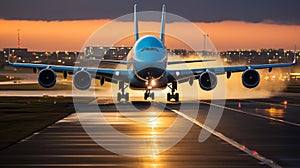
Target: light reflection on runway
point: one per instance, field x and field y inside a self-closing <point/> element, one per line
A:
<point x="65" y="144"/>
<point x="275" y="112"/>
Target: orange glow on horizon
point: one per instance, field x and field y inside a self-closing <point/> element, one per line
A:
<point x="243" y="35"/>
<point x="71" y="35"/>
<point x="48" y="36"/>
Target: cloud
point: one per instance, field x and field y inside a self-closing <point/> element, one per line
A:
<point x="255" y="11"/>
<point x="281" y="22"/>
<point x="71" y="35"/>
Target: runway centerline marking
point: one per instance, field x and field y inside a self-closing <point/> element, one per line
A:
<point x="228" y="140"/>
<point x="253" y="114"/>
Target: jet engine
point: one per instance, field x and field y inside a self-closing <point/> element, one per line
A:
<point x="47" y="78"/>
<point x="250" y="78"/>
<point x="208" y="81"/>
<point x="82" y="80"/>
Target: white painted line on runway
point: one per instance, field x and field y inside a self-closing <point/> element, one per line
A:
<point x="253" y="114"/>
<point x="230" y="141"/>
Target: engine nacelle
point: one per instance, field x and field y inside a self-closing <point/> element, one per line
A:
<point x="82" y="80"/>
<point x="47" y="78"/>
<point x="250" y="78"/>
<point x="208" y="81"/>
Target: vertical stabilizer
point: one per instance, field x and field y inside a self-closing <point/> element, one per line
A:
<point x="162" y="29"/>
<point x="136" y="25"/>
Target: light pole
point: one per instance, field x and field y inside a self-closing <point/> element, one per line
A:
<point x="204" y="42"/>
<point x="57" y="57"/>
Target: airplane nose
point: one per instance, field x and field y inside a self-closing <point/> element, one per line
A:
<point x="150" y="72"/>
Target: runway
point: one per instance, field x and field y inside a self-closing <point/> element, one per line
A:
<point x="251" y="133"/>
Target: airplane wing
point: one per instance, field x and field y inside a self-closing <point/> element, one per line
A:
<point x="185" y="74"/>
<point x="103" y="72"/>
<point x="187" y="61"/>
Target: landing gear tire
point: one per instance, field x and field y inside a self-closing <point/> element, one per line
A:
<point x="168" y="97"/>
<point x="152" y="96"/>
<point x="176" y="97"/>
<point x="127" y="96"/>
<point x="119" y="97"/>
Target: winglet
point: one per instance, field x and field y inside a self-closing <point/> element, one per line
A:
<point x="162" y="29"/>
<point x="135" y="19"/>
<point x="295" y="55"/>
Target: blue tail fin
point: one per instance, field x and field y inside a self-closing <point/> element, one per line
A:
<point x="162" y="29"/>
<point x="136" y="26"/>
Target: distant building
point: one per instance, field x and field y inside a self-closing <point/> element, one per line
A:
<point x="263" y="56"/>
<point x="22" y="55"/>
<point x="95" y="52"/>
<point x="114" y="53"/>
<point x="92" y="53"/>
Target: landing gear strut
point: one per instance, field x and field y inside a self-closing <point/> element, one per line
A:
<point x="173" y="95"/>
<point x="123" y="94"/>
<point x="148" y="94"/>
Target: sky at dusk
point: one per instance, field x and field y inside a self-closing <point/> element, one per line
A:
<point x="52" y="25"/>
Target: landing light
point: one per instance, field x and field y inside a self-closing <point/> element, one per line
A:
<point x="117" y="73"/>
<point x="153" y="83"/>
<point x="285" y="102"/>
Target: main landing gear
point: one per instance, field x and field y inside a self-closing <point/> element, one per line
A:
<point x="148" y="94"/>
<point x="173" y="95"/>
<point x="123" y="95"/>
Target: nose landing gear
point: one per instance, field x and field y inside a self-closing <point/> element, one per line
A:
<point x="148" y="94"/>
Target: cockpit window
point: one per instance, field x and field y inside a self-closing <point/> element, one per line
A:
<point x="149" y="43"/>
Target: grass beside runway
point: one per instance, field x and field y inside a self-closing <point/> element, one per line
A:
<point x="20" y="117"/>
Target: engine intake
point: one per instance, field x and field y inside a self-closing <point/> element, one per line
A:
<point x="47" y="78"/>
<point x="82" y="80"/>
<point x="208" y="81"/>
<point x="250" y="78"/>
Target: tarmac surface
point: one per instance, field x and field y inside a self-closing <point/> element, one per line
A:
<point x="251" y="133"/>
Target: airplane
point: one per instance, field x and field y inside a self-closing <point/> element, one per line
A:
<point x="147" y="69"/>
